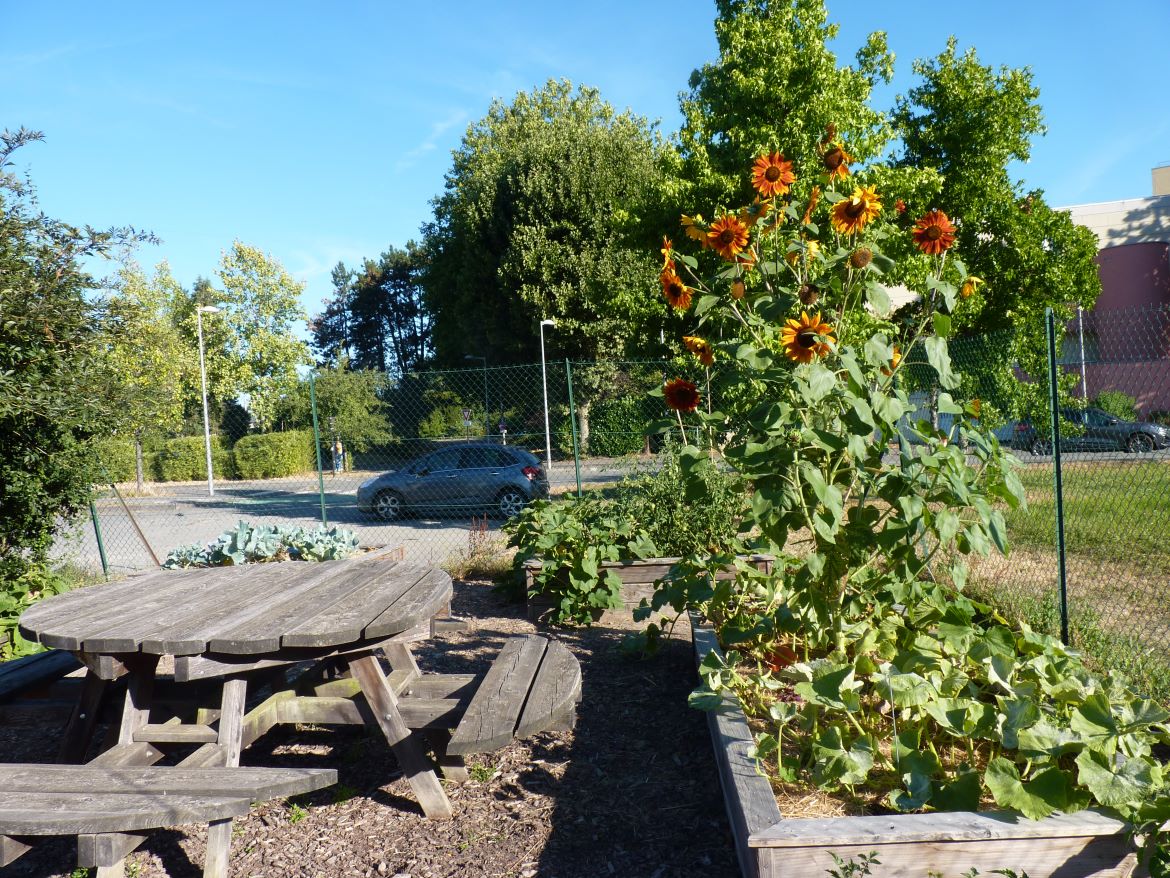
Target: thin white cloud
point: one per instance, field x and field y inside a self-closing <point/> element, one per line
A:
<point x="1097" y="169"/>
<point x="438" y="129"/>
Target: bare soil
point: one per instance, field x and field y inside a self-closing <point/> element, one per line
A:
<point x="632" y="791"/>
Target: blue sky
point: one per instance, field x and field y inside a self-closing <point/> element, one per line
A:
<point x="321" y="135"/>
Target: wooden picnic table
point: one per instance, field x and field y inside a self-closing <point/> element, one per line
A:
<point x="236" y="627"/>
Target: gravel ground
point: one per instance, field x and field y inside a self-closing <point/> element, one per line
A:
<point x="632" y="791"/>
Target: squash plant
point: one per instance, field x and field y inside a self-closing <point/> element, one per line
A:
<point x="860" y="652"/>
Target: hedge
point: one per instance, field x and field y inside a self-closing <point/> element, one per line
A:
<point x="116" y="456"/>
<point x="271" y="455"/>
<point x="185" y="460"/>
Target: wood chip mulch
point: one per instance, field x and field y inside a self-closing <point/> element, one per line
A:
<point x="632" y="791"/>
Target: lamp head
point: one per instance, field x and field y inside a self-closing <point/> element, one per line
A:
<point x="548" y="322"/>
<point x="208" y="309"/>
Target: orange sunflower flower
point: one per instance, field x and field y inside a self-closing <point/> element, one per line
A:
<point x="738" y="290"/>
<point x="728" y="236"/>
<point x="806" y="338"/>
<point x="836" y="161"/>
<point x="754" y="212"/>
<point x="667" y="250"/>
<point x="854" y="213"/>
<point x="894" y="361"/>
<point x="695" y="228"/>
<point x="701" y="348"/>
<point x="934" y="233"/>
<point x="677" y="293"/>
<point x="812" y="205"/>
<point x="681" y="395"/>
<point x="772" y="175"/>
<point x="970" y="285"/>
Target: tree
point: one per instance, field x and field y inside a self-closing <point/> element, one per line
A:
<point x="148" y="355"/>
<point x="776" y="87"/>
<point x="970" y="122"/>
<point x="329" y="330"/>
<point x="261" y="303"/>
<point x="55" y="387"/>
<point x="349" y="406"/>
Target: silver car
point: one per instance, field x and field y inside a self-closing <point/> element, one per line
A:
<point x="455" y="480"/>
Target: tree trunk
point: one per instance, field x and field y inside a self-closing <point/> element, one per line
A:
<point x="138" y="460"/>
<point x="583" y="426"/>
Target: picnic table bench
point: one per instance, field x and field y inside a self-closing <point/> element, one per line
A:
<point x="109" y="810"/>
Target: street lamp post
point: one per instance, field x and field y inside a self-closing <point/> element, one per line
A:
<point x="199" y="312"/>
<point x="487" y="430"/>
<point x="544" y="384"/>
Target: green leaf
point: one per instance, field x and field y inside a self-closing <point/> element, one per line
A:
<point x="888" y="408"/>
<point x="961" y="794"/>
<point x="817" y="382"/>
<point x="939" y="357"/>
<point x="942" y="324"/>
<point x="878" y="298"/>
<point x="705" y="304"/>
<point x="1118" y="781"/>
<point x="835" y="688"/>
<point x="1094" y="721"/>
<point x="948" y="406"/>
<point x="1046" y="792"/>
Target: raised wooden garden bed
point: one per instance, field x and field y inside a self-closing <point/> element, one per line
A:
<point x="638" y="578"/>
<point x="1086" y="844"/>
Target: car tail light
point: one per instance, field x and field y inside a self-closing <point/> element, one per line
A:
<point x="532" y="473"/>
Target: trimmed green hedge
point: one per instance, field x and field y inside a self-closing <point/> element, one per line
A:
<point x="185" y="460"/>
<point x="117" y="457"/>
<point x="271" y="455"/>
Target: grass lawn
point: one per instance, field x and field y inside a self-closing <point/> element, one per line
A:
<point x="1113" y="510"/>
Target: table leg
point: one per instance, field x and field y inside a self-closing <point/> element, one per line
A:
<point x="407" y="748"/>
<point x="139" y="689"/>
<point x="231" y="731"/>
<point x="79" y="730"/>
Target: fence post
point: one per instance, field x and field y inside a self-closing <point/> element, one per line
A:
<point x="97" y="532"/>
<point x="1054" y="404"/>
<point x="317" y="447"/>
<point x="573" y="425"/>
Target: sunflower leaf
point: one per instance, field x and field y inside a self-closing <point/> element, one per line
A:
<point x="939" y="357"/>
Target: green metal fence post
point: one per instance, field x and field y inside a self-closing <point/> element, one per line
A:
<point x="97" y="532"/>
<point x="1054" y="404"/>
<point x="317" y="446"/>
<point x="573" y="425"/>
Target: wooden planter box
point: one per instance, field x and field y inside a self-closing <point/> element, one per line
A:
<point x="638" y="578"/>
<point x="1082" y="845"/>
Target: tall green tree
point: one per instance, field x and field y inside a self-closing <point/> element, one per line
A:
<point x="971" y="122"/>
<point x="776" y="86"/>
<point x="262" y="305"/>
<point x="350" y="406"/>
<point x="56" y="393"/>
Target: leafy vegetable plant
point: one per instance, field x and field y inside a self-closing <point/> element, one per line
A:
<point x="249" y="544"/>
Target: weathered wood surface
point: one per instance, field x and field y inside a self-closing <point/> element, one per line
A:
<point x="254" y="784"/>
<point x="751" y="804"/>
<point x="555" y="691"/>
<point x="491" y="718"/>
<point x="31" y="671"/>
<point x="248" y="610"/>
<point x="72" y="813"/>
<point x="106" y="849"/>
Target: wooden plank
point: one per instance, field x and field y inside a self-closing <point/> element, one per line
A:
<point x="400" y="658"/>
<point x="44" y="813"/>
<point x="254" y="784"/>
<point x="128" y="754"/>
<point x="554" y="693"/>
<point x="20" y="675"/>
<point x="407" y="748"/>
<point x="213" y="665"/>
<point x="136" y="707"/>
<point x="207" y="756"/>
<point x="444" y="686"/>
<point x="176" y="733"/>
<point x="107" y="667"/>
<point x="263" y="632"/>
<point x="107" y="848"/>
<point x="231" y="719"/>
<point x="263" y="717"/>
<point x="13" y="848"/>
<point x="78" y="732"/>
<point x="417" y="713"/>
<point x="452" y="767"/>
<point x="416" y="607"/>
<point x="747" y="794"/>
<point x="491" y="718"/>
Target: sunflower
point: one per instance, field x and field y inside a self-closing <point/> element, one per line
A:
<point x="836" y="161"/>
<point x="934" y="233"/>
<point x="854" y="213"/>
<point x="677" y="293"/>
<point x="681" y="395"/>
<point x="894" y="361"/>
<point x="754" y="212"/>
<point x="695" y="228"/>
<point x="667" y="251"/>
<point x="811" y="249"/>
<point x="772" y="175"/>
<point x="970" y="285"/>
<point x="806" y="338"/>
<point x="738" y="290"/>
<point x="728" y="236"/>
<point x="861" y="257"/>
<point x="701" y="348"/>
<point x="813" y="198"/>
<point x="808" y="294"/>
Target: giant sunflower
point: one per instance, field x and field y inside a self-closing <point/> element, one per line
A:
<point x="806" y="338"/>
<point x="677" y="293"/>
<point x="934" y="233"/>
<point x="836" y="161"/>
<point x="728" y="236"/>
<point x="681" y="395"/>
<point x="695" y="228"/>
<point x="854" y="213"/>
<point x="701" y="348"/>
<point x="772" y="175"/>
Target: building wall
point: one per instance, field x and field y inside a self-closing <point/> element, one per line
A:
<point x="1134" y="276"/>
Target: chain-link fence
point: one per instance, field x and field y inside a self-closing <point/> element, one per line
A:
<point x="452" y="453"/>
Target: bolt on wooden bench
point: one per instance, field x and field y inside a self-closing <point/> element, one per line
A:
<point x="110" y="810"/>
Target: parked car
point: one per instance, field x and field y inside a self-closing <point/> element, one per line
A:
<point x="1091" y="429"/>
<point x="457" y="479"/>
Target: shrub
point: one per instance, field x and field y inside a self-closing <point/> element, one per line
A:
<point x="617" y="426"/>
<point x="185" y="459"/>
<point x="272" y="455"/>
<point x="116" y="459"/>
<point x="249" y="544"/>
<point x="18" y="595"/>
<point x="1120" y="405"/>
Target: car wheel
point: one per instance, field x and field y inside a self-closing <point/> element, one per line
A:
<point x="1140" y="443"/>
<point x="1041" y="447"/>
<point x="510" y="502"/>
<point x="388" y="506"/>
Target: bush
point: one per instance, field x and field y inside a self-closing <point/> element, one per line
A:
<point x="617" y="426"/>
<point x="17" y="596"/>
<point x="1120" y="405"/>
<point x="185" y="460"/>
<point x="272" y="455"/>
<point x="116" y="458"/>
